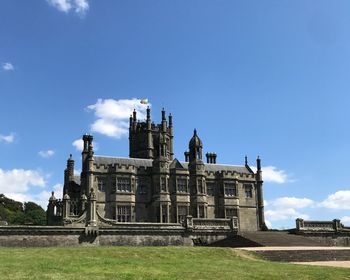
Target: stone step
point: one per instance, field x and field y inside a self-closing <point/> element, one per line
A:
<point x="305" y="255"/>
<point x="265" y="238"/>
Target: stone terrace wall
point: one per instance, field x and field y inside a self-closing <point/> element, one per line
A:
<point x="145" y="234"/>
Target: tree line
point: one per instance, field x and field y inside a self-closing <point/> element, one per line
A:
<point x="17" y="213"/>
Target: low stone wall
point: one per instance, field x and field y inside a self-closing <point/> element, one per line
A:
<point x="329" y="239"/>
<point x="120" y="235"/>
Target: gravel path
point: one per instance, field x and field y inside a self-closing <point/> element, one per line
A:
<point x="328" y="263"/>
<point x="295" y="248"/>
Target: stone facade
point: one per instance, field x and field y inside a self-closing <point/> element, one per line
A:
<point x="152" y="186"/>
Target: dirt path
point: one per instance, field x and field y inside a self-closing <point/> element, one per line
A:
<point x="327" y="263"/>
<point x="294" y="248"/>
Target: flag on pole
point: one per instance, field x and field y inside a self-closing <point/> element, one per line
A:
<point x="144" y="101"/>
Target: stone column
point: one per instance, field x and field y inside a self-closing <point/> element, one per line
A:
<point x="92" y="217"/>
<point x="336" y="225"/>
<point x="66" y="206"/>
<point x="189" y="222"/>
<point x="299" y="223"/>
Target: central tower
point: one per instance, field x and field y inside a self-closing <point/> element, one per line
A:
<point x="149" y="141"/>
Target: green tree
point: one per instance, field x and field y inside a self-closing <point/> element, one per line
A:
<point x="34" y="214"/>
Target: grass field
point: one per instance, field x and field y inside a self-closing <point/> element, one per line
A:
<point x="151" y="263"/>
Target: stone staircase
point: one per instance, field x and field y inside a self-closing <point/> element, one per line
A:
<point x="312" y="255"/>
<point x="265" y="238"/>
<point x="283" y="246"/>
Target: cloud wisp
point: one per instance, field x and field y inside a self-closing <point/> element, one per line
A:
<point x="46" y="154"/>
<point x="20" y="180"/>
<point x="339" y="200"/>
<point x="7" y="138"/>
<point x="112" y="116"/>
<point x="27" y="185"/>
<point x="40" y="198"/>
<point x="272" y="174"/>
<point x="80" y="7"/>
<point x="79" y="145"/>
<point x="285" y="209"/>
<point x="8" y="66"/>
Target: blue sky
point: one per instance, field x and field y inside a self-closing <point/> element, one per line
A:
<point x="268" y="78"/>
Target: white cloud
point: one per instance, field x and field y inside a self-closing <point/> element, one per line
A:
<point x="7" y="66"/>
<point x="271" y="174"/>
<point x="46" y="154"/>
<point x="79" y="145"/>
<point x="113" y="115"/>
<point x="292" y="202"/>
<point x="339" y="200"/>
<point x="19" y="180"/>
<point x="285" y="209"/>
<point x="284" y="214"/>
<point x="79" y="6"/>
<point x="268" y="224"/>
<point x="61" y="5"/>
<point x="345" y="220"/>
<point x="7" y="138"/>
<point x="40" y="198"/>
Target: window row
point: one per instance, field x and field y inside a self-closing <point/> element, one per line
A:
<point x="120" y="184"/>
<point x="125" y="213"/>
<point x="123" y="184"/>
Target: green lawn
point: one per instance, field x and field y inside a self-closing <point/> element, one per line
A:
<point x="151" y="263"/>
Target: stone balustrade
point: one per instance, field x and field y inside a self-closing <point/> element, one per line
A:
<point x="334" y="226"/>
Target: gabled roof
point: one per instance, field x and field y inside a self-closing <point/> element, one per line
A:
<point x="177" y="165"/>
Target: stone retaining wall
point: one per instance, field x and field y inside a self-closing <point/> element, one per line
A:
<point x="144" y="235"/>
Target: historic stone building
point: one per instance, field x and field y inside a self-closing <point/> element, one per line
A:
<point x="153" y="186"/>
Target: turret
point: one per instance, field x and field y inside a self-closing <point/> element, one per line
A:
<point x="260" y="197"/>
<point x="149" y="133"/>
<point x="258" y="168"/>
<point x="195" y="147"/>
<point x="87" y="139"/>
<point x="198" y="199"/>
<point x="134" y="120"/>
<point x="51" y="209"/>
<point x="148" y="115"/>
<point x="171" y="133"/>
<point x="70" y="168"/>
<point x="66" y="206"/>
<point x="163" y="121"/>
<point x="134" y="116"/>
<point x="88" y="163"/>
<point x="187" y="156"/>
